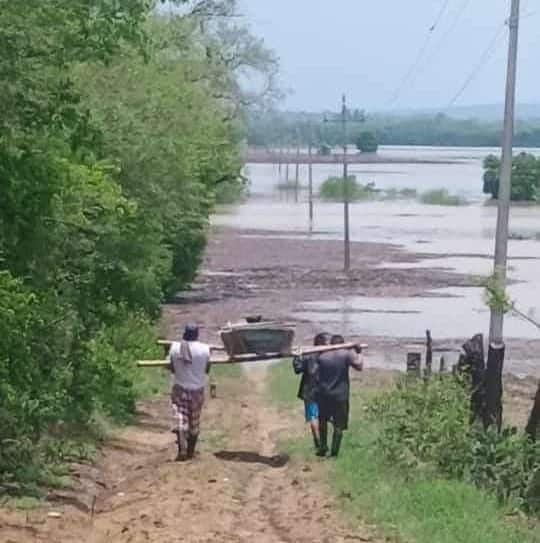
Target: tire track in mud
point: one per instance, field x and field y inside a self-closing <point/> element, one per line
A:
<point x="238" y="490"/>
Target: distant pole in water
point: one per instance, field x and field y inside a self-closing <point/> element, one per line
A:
<point x="297" y="169"/>
<point x="287" y="163"/>
<point x="347" y="248"/>
<point x="310" y="177"/>
<point x="496" y="341"/>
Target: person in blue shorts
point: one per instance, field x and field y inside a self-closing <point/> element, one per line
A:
<point x="307" y="366"/>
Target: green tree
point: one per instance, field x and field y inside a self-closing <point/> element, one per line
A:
<point x="525" y="177"/>
<point x="366" y="142"/>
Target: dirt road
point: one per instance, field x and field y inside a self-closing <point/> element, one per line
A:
<point x="239" y="489"/>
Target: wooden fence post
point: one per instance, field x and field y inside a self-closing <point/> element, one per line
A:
<point x="472" y="364"/>
<point x="493" y="387"/>
<point x="414" y="364"/>
<point x="429" y="355"/>
<point x="442" y="365"/>
<point x="533" y="426"/>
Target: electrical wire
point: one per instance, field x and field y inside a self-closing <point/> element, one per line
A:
<point x="420" y="56"/>
<point x="484" y="59"/>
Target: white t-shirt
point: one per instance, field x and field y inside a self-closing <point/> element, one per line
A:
<point x="190" y="376"/>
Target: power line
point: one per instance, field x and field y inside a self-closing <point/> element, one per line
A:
<point x="419" y="57"/>
<point x="459" y="14"/>
<point x="484" y="59"/>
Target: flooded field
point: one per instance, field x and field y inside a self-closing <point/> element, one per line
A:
<point x="453" y="238"/>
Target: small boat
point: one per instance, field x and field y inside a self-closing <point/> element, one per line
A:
<point x="262" y="338"/>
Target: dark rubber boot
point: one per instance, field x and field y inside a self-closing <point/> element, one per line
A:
<point x="180" y="442"/>
<point x="192" y="443"/>
<point x="323" y="432"/>
<point x="336" y="442"/>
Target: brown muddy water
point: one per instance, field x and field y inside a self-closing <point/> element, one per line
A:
<point x="455" y="238"/>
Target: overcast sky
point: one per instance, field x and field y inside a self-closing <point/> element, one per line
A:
<point x="366" y="47"/>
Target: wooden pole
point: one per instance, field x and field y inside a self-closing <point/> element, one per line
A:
<point x="215" y="360"/>
<point x="346" y="197"/>
<point x="414" y="364"/>
<point x="297" y="168"/>
<point x="429" y="354"/>
<point x="533" y="426"/>
<point x="310" y="179"/>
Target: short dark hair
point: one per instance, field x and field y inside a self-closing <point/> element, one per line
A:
<point x="337" y="339"/>
<point x="191" y="333"/>
<point x="321" y="339"/>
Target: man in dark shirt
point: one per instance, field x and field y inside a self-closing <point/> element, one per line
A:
<point x="308" y="367"/>
<point x="333" y="393"/>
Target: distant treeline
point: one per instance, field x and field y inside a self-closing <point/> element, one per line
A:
<point x="279" y="128"/>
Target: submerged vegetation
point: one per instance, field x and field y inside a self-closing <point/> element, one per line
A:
<point x="442" y="197"/>
<point x="113" y="152"/>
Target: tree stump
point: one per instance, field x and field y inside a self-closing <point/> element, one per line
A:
<point x="493" y="386"/>
<point x="472" y="365"/>
<point x="533" y="426"/>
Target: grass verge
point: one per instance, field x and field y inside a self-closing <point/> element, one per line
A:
<point x="406" y="505"/>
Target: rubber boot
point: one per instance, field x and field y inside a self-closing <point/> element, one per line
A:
<point x="336" y="442"/>
<point x="181" y="442"/>
<point x="323" y="433"/>
<point x="192" y="443"/>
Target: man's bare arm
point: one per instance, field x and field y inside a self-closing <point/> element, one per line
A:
<point x="356" y="359"/>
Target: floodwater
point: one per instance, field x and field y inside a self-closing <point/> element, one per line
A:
<point x="461" y="237"/>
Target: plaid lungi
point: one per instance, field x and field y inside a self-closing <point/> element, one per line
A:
<point x="187" y="407"/>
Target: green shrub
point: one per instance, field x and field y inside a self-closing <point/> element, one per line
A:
<point x="426" y="426"/>
<point x="335" y="188"/>
<point x="366" y="142"/>
<point x="441" y="197"/>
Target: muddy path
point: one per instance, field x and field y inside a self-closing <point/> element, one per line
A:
<point x="239" y="488"/>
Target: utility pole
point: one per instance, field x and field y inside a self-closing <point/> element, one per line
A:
<point x="310" y="176"/>
<point x="344" y="120"/>
<point x="496" y="341"/>
<point x="347" y="248"/>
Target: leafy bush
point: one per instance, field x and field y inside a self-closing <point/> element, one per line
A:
<point x="441" y="197"/>
<point x="426" y="425"/>
<point x="366" y="142"/>
<point x="336" y="188"/>
<point x="525" y="177"/>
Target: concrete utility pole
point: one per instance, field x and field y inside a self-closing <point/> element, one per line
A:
<point x="346" y="198"/>
<point x="496" y="342"/>
<point x="310" y="176"/>
<point x="297" y="170"/>
<point x="501" y="238"/>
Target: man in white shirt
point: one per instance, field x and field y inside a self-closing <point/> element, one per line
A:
<point x="189" y="362"/>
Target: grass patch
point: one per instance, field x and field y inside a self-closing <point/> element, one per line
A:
<point x="335" y="188"/>
<point x="283" y="384"/>
<point x="417" y="506"/>
<point x="225" y="371"/>
<point x="414" y="505"/>
<point x="441" y="197"/>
